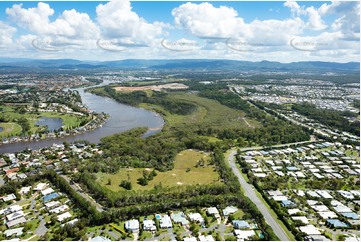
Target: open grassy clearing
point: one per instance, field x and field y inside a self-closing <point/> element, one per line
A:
<point x="9" y="129"/>
<point x="68" y="119"/>
<point x="208" y="113"/>
<point x="215" y="113"/>
<point x="185" y="172"/>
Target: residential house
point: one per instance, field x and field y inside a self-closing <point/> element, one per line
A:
<point x="335" y="223"/>
<point x="213" y="211"/>
<point x="17" y="232"/>
<point x="64" y="216"/>
<point x="149" y="225"/>
<point x="243" y="234"/>
<point x="9" y="197"/>
<point x="16" y="222"/>
<point x="229" y="210"/>
<point x="196" y="217"/>
<point x="240" y="224"/>
<point x="132" y="226"/>
<point x="165" y="222"/>
<point x="179" y="218"/>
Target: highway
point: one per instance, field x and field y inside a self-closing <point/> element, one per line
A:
<point x="249" y="192"/>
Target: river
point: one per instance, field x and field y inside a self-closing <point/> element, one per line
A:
<point x="122" y="118"/>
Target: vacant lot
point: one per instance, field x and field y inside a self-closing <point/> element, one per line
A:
<point x="185" y="172"/>
<point x="172" y="86"/>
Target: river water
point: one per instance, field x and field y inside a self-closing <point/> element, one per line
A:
<point x="122" y="118"/>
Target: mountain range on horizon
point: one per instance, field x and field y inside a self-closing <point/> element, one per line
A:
<point x="213" y="64"/>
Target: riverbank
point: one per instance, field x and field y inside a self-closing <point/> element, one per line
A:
<point x="97" y="122"/>
<point x="120" y="118"/>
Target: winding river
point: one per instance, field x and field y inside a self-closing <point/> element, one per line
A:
<point x="122" y="118"/>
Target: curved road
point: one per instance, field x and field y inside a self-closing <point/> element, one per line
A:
<point x="252" y="195"/>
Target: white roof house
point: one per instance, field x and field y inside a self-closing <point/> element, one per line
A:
<point x="196" y="217"/>
<point x="229" y="210"/>
<point x="64" y="216"/>
<point x="342" y="209"/>
<point x="190" y="239"/>
<point x="17" y="232"/>
<point x="261" y="175"/>
<point x="132" y="225"/>
<point x="206" y="238"/>
<point x="149" y="225"/>
<point x="47" y="191"/>
<point x="300" y="174"/>
<point x="299" y="193"/>
<point x="59" y="209"/>
<point x="15" y="208"/>
<point x="40" y="186"/>
<point x="309" y="230"/>
<point x="243" y="234"/>
<point x="346" y="194"/>
<point x="275" y="193"/>
<point x="328" y="214"/>
<point x="320" y="208"/>
<point x="312" y="202"/>
<point x="212" y="211"/>
<point x="280" y="198"/>
<point x="9" y="197"/>
<point x="100" y="238"/>
<point x="293" y="211"/>
<point x="52" y="204"/>
<point x="312" y="194"/>
<point x="71" y="222"/>
<point x="324" y="194"/>
<point x="165" y="222"/>
<point x="15" y="215"/>
<point x="303" y="219"/>
<point x="25" y="190"/>
<point x="15" y="222"/>
<point x="280" y="173"/>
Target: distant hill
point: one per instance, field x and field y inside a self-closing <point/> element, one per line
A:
<point x="181" y="64"/>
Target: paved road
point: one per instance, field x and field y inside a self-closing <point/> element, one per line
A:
<point x="41" y="230"/>
<point x="280" y="145"/>
<point x="77" y="188"/>
<point x="252" y="195"/>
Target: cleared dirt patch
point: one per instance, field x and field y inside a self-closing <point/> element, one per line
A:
<point x="172" y="86"/>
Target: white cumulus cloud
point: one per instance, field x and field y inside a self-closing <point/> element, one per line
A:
<point x="314" y="22"/>
<point x="205" y="20"/>
<point x="117" y="20"/>
<point x="6" y="34"/>
<point x="71" y="23"/>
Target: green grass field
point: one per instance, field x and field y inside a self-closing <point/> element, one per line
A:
<point x="9" y="129"/>
<point x="69" y="120"/>
<point x="184" y="173"/>
<point x="209" y="113"/>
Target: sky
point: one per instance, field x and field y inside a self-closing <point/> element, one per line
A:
<point x="284" y="31"/>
